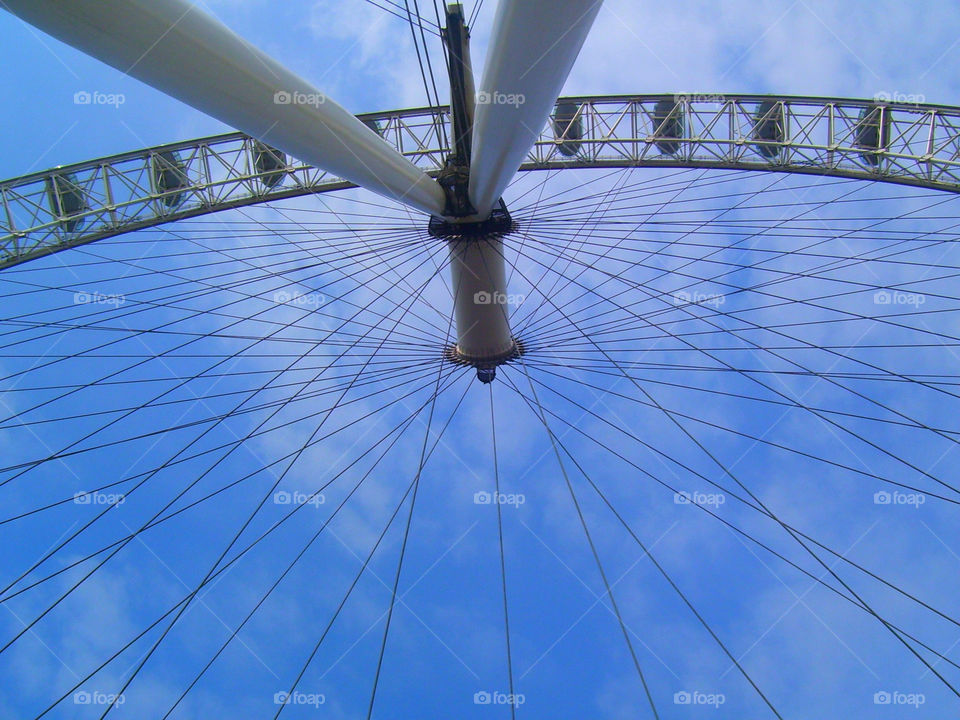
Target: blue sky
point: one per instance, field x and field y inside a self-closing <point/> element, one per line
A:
<point x="811" y="653"/>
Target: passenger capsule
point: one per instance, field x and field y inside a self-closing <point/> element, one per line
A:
<point x="568" y="128"/>
<point x="170" y="177"/>
<point x="270" y="164"/>
<point x="668" y="126"/>
<point x="67" y="200"/>
<point x="374" y="125"/>
<point x="872" y="132"/>
<point x="768" y="128"/>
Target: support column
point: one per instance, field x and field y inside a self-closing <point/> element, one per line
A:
<point x="477" y="266"/>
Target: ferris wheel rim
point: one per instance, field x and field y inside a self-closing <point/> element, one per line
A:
<point x="602" y="143"/>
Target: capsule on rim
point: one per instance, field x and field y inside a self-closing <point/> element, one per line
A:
<point x="270" y="164"/>
<point x="568" y="128"/>
<point x="374" y="125"/>
<point x="768" y="128"/>
<point x="170" y="177"/>
<point x="668" y="126"/>
<point x="872" y="132"/>
<point x="67" y="200"/>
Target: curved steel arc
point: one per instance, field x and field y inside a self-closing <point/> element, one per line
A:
<point x="908" y="144"/>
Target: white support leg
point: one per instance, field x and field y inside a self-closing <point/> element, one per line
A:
<point x="175" y="47"/>
<point x="533" y="48"/>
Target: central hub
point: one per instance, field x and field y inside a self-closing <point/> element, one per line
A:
<point x="497" y="225"/>
<point x="478" y="274"/>
<point x="475" y="244"/>
<point x="486" y="370"/>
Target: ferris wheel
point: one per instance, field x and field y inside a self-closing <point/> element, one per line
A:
<point x="517" y="405"/>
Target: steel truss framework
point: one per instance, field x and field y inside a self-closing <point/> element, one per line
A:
<point x="900" y="143"/>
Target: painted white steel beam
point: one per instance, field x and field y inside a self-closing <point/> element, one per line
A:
<point x="533" y="48"/>
<point x="179" y="49"/>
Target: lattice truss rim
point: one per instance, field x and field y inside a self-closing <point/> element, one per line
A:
<point x="890" y="142"/>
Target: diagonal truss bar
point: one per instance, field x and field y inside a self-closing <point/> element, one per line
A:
<point x="175" y="47"/>
<point x="533" y="48"/>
